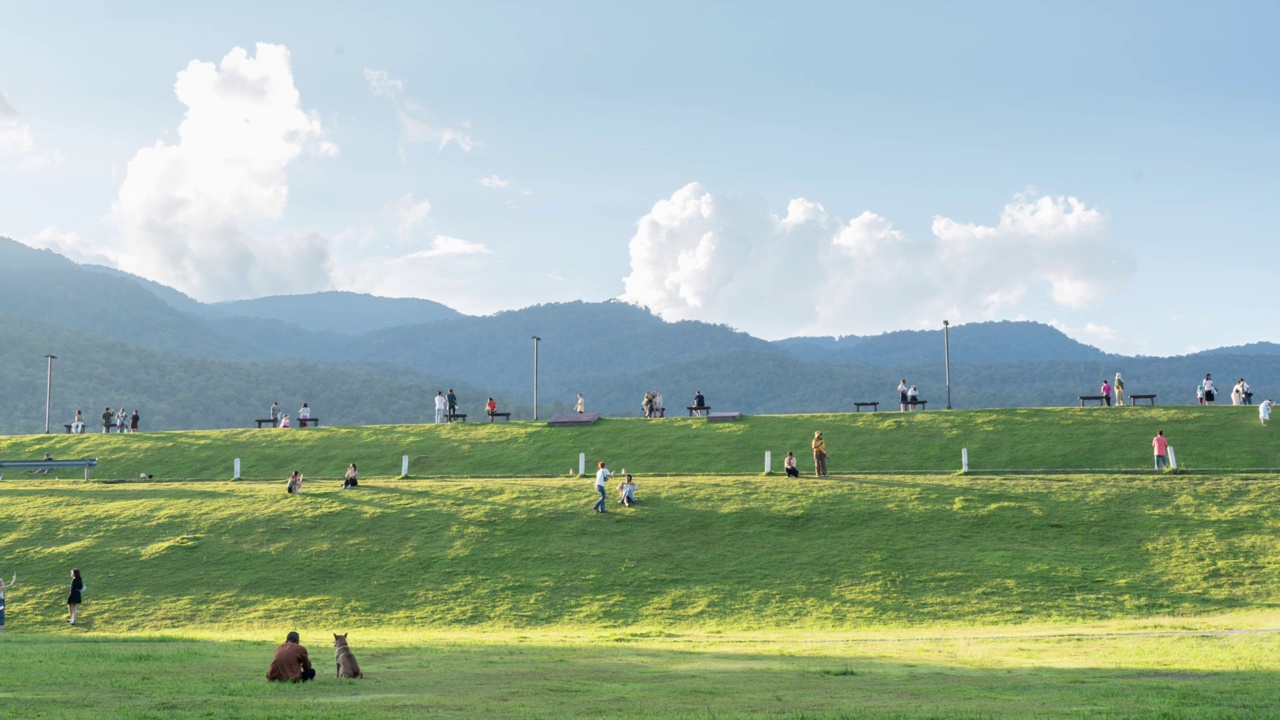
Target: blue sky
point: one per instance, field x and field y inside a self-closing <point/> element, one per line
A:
<point x="1105" y="167"/>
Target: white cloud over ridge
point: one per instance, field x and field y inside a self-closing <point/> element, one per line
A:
<point x="190" y="213"/>
<point x="415" y="125"/>
<point x="698" y="255"/>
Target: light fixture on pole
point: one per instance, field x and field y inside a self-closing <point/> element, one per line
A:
<point x="48" y="391"/>
<point x="535" y="376"/>
<point x="946" y="347"/>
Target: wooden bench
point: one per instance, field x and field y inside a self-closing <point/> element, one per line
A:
<point x="302" y="422"/>
<point x="492" y="415"/>
<point x="913" y="403"/>
<point x="458" y="417"/>
<point x="698" y="410"/>
<point x="875" y="406"/>
<point x="1133" y="399"/>
<point x="1102" y="399"/>
<point x="34" y="466"/>
<point x="68" y="426"/>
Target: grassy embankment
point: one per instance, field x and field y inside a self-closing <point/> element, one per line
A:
<point x="1044" y="439"/>
<point x="722" y="596"/>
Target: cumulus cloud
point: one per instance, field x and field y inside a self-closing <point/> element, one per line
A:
<point x="17" y="144"/>
<point x="698" y="255"/>
<point x="192" y="213"/>
<point x="70" y="245"/>
<point x="416" y="127"/>
<point x="495" y="182"/>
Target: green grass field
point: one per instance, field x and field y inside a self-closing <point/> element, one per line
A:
<point x="872" y="593"/>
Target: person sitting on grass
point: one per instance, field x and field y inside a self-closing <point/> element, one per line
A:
<point x="627" y="490"/>
<point x="43" y="470"/>
<point x="284" y="420"/>
<point x="290" y="662"/>
<point x="294" y="486"/>
<point x="790" y="466"/>
<point x="352" y="478"/>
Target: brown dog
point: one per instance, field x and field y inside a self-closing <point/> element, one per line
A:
<point x="346" y="660"/>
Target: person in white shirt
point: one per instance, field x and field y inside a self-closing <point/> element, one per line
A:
<point x="902" y="395"/>
<point x="602" y="478"/>
<point x="284" y="420"/>
<point x="1264" y="411"/>
<point x="913" y="397"/>
<point x="1237" y="394"/>
<point x="627" y="490"/>
<point x="441" y="403"/>
<point x="581" y="406"/>
<point x="305" y="412"/>
<point x="659" y="410"/>
<point x="789" y="465"/>
<point x="1210" y="394"/>
<point x="1246" y="395"/>
<point x="4" y="587"/>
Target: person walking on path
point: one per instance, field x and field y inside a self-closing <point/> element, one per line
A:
<point x="451" y="401"/>
<point x="602" y="478"/>
<point x="1264" y="411"/>
<point x="1118" y="388"/>
<point x="291" y="663"/>
<point x="1106" y="392"/>
<point x="819" y="455"/>
<point x="441" y="406"/>
<point x="1210" y="394"/>
<point x="4" y="587"/>
<point x="789" y="465"/>
<point x="1161" y="446"/>
<point x="581" y="406"/>
<point x="902" y="394"/>
<point x="73" y="599"/>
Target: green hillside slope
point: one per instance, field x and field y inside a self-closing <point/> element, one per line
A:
<point x="1039" y="439"/>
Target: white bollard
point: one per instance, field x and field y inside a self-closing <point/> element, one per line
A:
<point x="404" y="466"/>
<point x="768" y="460"/>
<point x="582" y="463"/>
<point x="236" y="476"/>
<point x="1173" y="459"/>
<point x="964" y="459"/>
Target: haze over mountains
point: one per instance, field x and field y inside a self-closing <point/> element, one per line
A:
<point x="361" y="359"/>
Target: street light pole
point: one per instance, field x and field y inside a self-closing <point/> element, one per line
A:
<point x="48" y="391"/>
<point x="535" y="376"/>
<point x="946" y="346"/>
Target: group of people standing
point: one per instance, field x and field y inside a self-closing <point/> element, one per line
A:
<point x="1116" y="391"/>
<point x="74" y="598"/>
<point x="652" y="405"/>
<point x="281" y="419"/>
<point x="1207" y="392"/>
<point x="121" y="420"/>
<point x="908" y="396"/>
<point x="446" y="406"/>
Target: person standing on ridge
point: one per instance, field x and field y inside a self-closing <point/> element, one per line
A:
<point x="819" y="455"/>
<point x="902" y="394"/>
<point x="451" y="401"/>
<point x="1161" y="446"/>
<point x="1106" y="392"/>
<point x="106" y="420"/>
<point x="1118" y="388"/>
<point x="441" y="406"/>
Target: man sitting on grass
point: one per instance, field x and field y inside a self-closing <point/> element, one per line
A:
<point x="291" y="662"/>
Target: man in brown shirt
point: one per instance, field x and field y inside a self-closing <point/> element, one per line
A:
<point x="291" y="662"/>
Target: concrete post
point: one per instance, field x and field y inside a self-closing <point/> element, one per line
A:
<point x="582" y="463"/>
<point x="1173" y="459"/>
<point x="236" y="475"/>
<point x="768" y="460"/>
<point x="964" y="459"/>
<point x="404" y="466"/>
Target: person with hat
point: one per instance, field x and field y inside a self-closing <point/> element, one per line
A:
<point x="819" y="455"/>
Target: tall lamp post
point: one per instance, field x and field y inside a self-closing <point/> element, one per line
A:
<point x="946" y="348"/>
<point x="48" y="391"/>
<point x="536" y="339"/>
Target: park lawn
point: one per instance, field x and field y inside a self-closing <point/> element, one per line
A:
<point x="649" y="675"/>
<point x="1076" y="439"/>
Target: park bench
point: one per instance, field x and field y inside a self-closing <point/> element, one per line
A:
<point x="921" y="403"/>
<point x="34" y="465"/>
<point x="1102" y="399"/>
<point x="1133" y="399"/>
<point x="875" y="406"/>
<point x="698" y="409"/>
<point x="504" y="416"/>
<point x="68" y="426"/>
<point x="458" y="417"/>
<point x="302" y="422"/>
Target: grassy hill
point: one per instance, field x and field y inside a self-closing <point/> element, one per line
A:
<point x="1208" y="438"/>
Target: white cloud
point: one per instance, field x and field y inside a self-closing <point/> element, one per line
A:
<point x="70" y="245"/>
<point x="495" y="182"/>
<point x="697" y="255"/>
<point x="444" y="246"/>
<point x="193" y="213"/>
<point x="416" y="127"/>
<point x="409" y="214"/>
<point x="17" y="144"/>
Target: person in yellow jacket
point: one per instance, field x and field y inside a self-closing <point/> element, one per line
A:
<point x="819" y="455"/>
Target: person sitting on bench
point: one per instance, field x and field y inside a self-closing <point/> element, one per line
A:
<point x="699" y="402"/>
<point x="77" y="425"/>
<point x="490" y="408"/>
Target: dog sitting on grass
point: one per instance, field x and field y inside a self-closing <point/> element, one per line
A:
<point x="345" y="659"/>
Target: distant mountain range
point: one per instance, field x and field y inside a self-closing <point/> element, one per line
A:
<point x="365" y="359"/>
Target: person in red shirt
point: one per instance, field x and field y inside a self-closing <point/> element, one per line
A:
<point x="1161" y="445"/>
<point x="490" y="408"/>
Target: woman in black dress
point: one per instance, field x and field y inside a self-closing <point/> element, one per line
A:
<point x="73" y="600"/>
